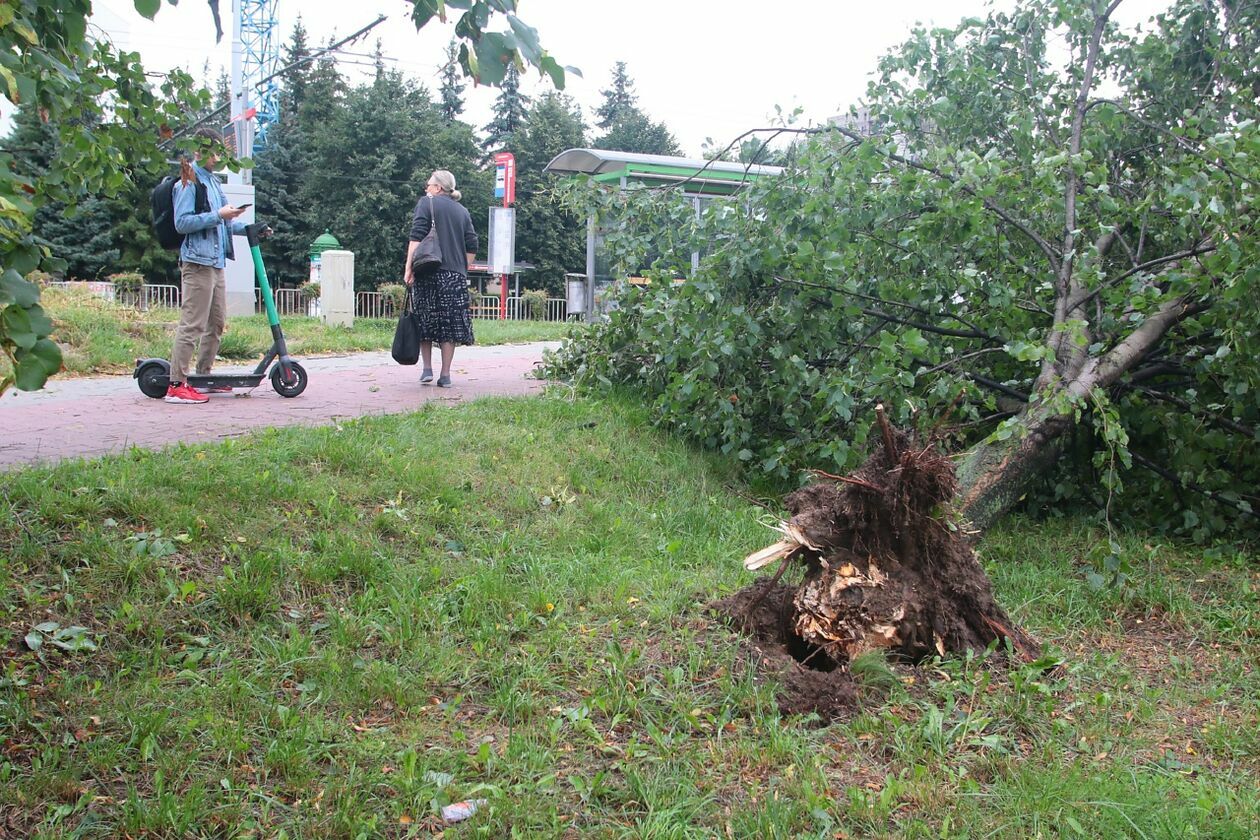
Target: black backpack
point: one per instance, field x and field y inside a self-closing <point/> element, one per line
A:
<point x="162" y="203"/>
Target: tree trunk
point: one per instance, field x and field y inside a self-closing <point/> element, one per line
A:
<point x="993" y="476"/>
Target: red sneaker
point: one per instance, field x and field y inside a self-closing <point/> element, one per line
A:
<point x="214" y="389"/>
<point x="182" y="393"/>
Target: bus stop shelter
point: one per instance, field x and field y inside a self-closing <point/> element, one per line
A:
<point x="699" y="180"/>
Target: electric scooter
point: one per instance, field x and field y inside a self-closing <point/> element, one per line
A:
<point x="288" y="377"/>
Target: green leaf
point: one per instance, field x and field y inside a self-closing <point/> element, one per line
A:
<point x="15" y="289"/>
<point x="423" y="11"/>
<point x="73" y="639"/>
<point x="526" y="39"/>
<point x="1025" y="352"/>
<point x="25" y="259"/>
<point x="148" y="8"/>
<point x="26" y="32"/>
<point x="494" y="51"/>
<point x="30" y="375"/>
<point x="15" y="326"/>
<point x="46" y="353"/>
<point x="549" y="66"/>
<point x="11" y="81"/>
<point x="41" y="324"/>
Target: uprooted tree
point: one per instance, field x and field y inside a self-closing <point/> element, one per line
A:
<point x="886" y="568"/>
<point x="1045" y="241"/>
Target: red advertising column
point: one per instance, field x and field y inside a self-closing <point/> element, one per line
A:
<point x="504" y="188"/>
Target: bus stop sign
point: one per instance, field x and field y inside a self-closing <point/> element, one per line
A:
<point x="505" y="178"/>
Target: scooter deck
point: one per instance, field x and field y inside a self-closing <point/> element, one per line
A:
<point x="239" y="380"/>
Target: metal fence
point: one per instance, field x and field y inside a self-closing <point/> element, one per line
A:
<point x="289" y="302"/>
<point x="373" y="305"/>
<point x="155" y="296"/>
<point x="487" y="307"/>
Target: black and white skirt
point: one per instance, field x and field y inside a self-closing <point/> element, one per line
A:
<point x="440" y="302"/>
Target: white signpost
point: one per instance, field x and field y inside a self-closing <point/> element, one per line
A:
<point x="502" y="240"/>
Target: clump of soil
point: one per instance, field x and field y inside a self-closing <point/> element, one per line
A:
<point x="886" y="567"/>
<point x="762" y="611"/>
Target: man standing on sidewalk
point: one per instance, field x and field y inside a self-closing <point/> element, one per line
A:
<point x="202" y="256"/>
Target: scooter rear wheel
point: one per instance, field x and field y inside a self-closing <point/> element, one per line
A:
<point x="154" y="378"/>
<point x="293" y="387"/>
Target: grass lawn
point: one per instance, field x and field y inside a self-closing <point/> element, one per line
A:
<point x="332" y="632"/>
<point x="97" y="336"/>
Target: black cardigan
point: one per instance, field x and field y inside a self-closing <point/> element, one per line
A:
<point x="455" y="230"/>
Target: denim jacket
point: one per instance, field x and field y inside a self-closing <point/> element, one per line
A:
<point x="207" y="238"/>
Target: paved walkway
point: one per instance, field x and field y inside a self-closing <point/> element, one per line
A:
<point x="91" y="417"/>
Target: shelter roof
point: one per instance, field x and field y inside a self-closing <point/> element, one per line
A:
<point x="606" y="163"/>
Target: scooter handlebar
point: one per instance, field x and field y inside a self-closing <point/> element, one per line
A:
<point x="257" y="232"/>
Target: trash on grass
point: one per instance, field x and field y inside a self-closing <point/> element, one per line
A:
<point x="459" y="811"/>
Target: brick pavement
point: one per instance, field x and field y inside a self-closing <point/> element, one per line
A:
<point x="92" y="417"/>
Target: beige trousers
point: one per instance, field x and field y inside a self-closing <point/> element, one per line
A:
<point x="202" y="318"/>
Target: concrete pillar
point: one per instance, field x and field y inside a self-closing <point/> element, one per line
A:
<point x="336" y="288"/>
<point x="239" y="273"/>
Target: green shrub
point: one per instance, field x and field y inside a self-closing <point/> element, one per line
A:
<point x="394" y="293"/>
<point x="309" y="291"/>
<point x="535" y="304"/>
<point x="128" y="287"/>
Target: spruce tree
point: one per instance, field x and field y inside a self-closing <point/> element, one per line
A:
<point x="319" y="156"/>
<point x="222" y="90"/>
<point x="626" y="127"/>
<point x="82" y="236"/>
<point x="84" y="239"/>
<point x="619" y="97"/>
<point x="634" y="131"/>
<point x="509" y="113"/>
<point x="295" y="81"/>
<point x="450" y="94"/>
<point x="279" y="171"/>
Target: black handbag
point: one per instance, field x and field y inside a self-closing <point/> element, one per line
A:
<point x="406" y="349"/>
<point x="428" y="254"/>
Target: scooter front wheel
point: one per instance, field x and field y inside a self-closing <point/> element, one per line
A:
<point x="153" y="378"/>
<point x="296" y="383"/>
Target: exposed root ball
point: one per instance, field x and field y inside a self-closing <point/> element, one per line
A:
<point x="886" y="565"/>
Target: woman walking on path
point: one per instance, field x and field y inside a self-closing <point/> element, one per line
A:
<point x="439" y="297"/>
<point x="208" y="222"/>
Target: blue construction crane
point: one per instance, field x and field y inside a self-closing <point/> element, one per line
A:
<point x="260" y="59"/>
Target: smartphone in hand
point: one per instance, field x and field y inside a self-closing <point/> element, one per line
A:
<point x="245" y="206"/>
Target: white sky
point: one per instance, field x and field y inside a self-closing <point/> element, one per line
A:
<point x="706" y="68"/>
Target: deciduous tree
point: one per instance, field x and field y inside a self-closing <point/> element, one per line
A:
<point x="1048" y="248"/>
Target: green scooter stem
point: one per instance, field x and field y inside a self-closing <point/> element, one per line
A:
<point x="254" y="235"/>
